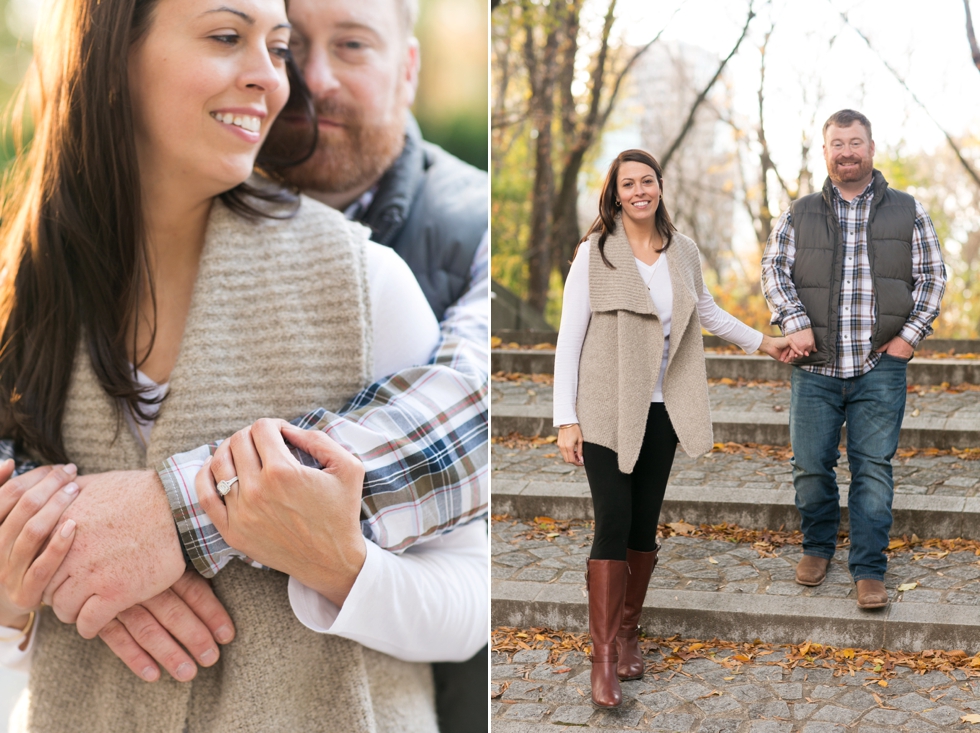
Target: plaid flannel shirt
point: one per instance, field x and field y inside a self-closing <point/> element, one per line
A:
<point x="421" y="433"/>
<point x="855" y="355"/>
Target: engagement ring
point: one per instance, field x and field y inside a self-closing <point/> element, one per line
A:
<point x="225" y="486"/>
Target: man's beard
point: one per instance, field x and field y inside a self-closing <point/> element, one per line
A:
<point x="346" y="158"/>
<point x="865" y="166"/>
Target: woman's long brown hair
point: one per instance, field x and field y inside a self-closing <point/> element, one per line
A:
<point x="73" y="254"/>
<point x="605" y="223"/>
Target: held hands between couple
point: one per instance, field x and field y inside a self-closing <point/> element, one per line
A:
<point x="801" y="343"/>
<point x="126" y="580"/>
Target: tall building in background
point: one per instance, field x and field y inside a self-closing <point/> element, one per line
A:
<point x="699" y="180"/>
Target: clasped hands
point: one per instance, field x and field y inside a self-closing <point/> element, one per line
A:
<point x="102" y="549"/>
<point x="801" y="343"/>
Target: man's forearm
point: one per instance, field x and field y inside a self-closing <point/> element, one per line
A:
<point x="777" y="281"/>
<point x="421" y="433"/>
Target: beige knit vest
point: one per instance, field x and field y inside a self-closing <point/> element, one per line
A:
<point x="624" y="346"/>
<point x="279" y="324"/>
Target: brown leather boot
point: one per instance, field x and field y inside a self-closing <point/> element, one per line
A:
<point x="811" y="570"/>
<point x="871" y="593"/>
<point x="641" y="565"/>
<point x="606" y="583"/>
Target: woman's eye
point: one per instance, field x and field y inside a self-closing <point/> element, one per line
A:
<point x="281" y="52"/>
<point x="229" y="39"/>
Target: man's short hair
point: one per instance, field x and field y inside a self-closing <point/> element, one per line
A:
<point x="845" y="118"/>
<point x="410" y="15"/>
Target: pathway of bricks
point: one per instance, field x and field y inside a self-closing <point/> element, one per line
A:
<point x="944" y="475"/>
<point x="532" y="696"/>
<point x="760" y="399"/>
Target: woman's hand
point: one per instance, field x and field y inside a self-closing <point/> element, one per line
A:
<point x="302" y="521"/>
<point x="779" y="348"/>
<point x="188" y="613"/>
<point x="31" y="506"/>
<point x="570" y="444"/>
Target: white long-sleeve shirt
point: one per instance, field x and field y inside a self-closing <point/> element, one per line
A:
<point x="577" y="313"/>
<point x="432" y="597"/>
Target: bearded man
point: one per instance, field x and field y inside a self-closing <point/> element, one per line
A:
<point x="360" y="60"/>
<point x="854" y="276"/>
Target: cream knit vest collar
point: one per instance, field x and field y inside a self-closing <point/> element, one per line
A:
<point x="279" y="324"/>
<point x="623" y="289"/>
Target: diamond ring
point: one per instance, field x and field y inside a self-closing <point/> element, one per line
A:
<point x="225" y="486"/>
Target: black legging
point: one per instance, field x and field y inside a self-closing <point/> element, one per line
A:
<point x="627" y="505"/>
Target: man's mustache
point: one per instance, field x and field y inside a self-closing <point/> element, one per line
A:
<point x="334" y="112"/>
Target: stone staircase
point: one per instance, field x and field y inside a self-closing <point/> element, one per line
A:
<point x="736" y="594"/>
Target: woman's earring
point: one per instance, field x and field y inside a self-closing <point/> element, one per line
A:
<point x="618" y="204"/>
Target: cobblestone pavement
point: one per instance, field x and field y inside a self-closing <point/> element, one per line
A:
<point x="938" y="475"/>
<point x="528" y="695"/>
<point x="760" y="399"/>
<point x="698" y="564"/>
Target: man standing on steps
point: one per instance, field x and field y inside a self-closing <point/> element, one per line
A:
<point x="854" y="276"/>
<point x="360" y="60"/>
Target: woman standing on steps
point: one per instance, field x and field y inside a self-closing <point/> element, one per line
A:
<point x="630" y="383"/>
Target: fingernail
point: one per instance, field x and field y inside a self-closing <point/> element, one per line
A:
<point x="207" y="462"/>
<point x="71" y="469"/>
<point x="71" y="489"/>
<point x="185" y="671"/>
<point x="150" y="674"/>
<point x="224" y="634"/>
<point x="209" y="657"/>
<point x="68" y="528"/>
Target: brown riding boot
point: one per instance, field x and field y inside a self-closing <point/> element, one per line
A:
<point x="641" y="565"/>
<point x="606" y="583"/>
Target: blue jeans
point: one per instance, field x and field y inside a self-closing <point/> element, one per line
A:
<point x="872" y="405"/>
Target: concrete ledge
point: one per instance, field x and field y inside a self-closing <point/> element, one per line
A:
<point x="738" y="617"/>
<point x="926" y="516"/>
<point x="926" y="372"/>
<point x="754" y="427"/>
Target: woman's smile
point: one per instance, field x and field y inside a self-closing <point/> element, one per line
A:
<point x="243" y="122"/>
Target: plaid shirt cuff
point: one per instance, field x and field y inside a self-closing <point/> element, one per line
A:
<point x="794" y="323"/>
<point x="913" y="335"/>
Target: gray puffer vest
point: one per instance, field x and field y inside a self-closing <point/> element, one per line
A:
<point x="818" y="269"/>
<point x="431" y="208"/>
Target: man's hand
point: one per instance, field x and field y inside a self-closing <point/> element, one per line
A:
<point x="802" y="343"/>
<point x="302" y="521"/>
<point x="188" y="613"/>
<point x="126" y="550"/>
<point x="899" y="348"/>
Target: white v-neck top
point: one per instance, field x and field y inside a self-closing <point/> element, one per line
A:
<point x="576" y="314"/>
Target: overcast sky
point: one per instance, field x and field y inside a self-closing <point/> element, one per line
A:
<point x="928" y="48"/>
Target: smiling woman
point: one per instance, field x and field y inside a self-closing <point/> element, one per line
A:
<point x="164" y="287"/>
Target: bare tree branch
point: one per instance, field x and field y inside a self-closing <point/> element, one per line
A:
<point x="974" y="48"/>
<point x="629" y="64"/>
<point x="689" y="122"/>
<point x="952" y="143"/>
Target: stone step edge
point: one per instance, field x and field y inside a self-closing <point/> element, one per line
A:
<point x="754" y="427"/>
<point x="925" y="372"/>
<point x="925" y="516"/>
<point x="736" y="617"/>
<point x="532" y="338"/>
